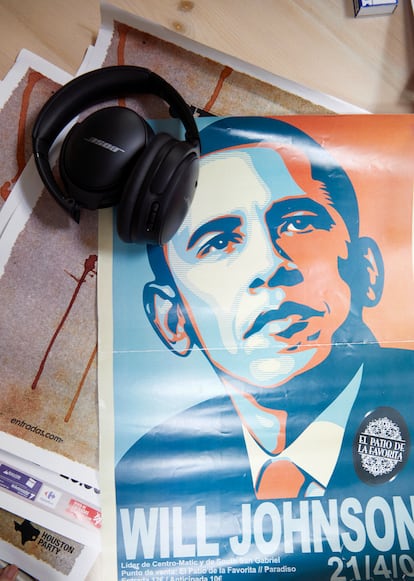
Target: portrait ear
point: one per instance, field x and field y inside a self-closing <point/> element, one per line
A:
<point x="167" y="317"/>
<point x="363" y="270"/>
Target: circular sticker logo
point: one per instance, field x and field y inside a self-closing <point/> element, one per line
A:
<point x="381" y="446"/>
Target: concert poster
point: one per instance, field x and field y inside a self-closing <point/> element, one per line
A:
<point x="256" y="372"/>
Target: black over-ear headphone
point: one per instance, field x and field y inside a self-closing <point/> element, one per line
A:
<point x="113" y="157"/>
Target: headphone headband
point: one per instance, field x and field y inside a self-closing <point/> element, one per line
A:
<point x="90" y="89"/>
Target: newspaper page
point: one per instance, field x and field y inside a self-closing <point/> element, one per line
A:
<point x="260" y="365"/>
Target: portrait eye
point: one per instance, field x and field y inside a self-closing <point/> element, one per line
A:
<point x="221" y="243"/>
<point x="304" y="223"/>
<point x="298" y="224"/>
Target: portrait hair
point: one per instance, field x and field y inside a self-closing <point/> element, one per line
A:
<point x="230" y="133"/>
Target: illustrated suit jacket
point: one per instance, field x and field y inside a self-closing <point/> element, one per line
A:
<point x="199" y="456"/>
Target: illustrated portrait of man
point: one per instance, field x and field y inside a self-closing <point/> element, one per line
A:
<point x="270" y="278"/>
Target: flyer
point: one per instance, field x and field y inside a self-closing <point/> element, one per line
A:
<point x="256" y="372"/>
<point x="50" y="525"/>
<point x="42" y="553"/>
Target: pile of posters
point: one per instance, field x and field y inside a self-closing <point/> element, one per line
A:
<point x="204" y="519"/>
<point x="259" y="367"/>
<point x="49" y="488"/>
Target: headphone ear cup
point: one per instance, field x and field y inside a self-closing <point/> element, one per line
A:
<point x="97" y="155"/>
<point x="158" y="192"/>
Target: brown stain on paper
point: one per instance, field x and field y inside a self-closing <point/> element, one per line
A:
<point x="33" y="79"/>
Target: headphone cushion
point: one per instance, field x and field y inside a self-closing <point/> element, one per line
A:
<point x="159" y="191"/>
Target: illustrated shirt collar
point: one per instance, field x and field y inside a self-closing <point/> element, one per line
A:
<point x="315" y="450"/>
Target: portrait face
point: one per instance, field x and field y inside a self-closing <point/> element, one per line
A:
<point x="256" y="263"/>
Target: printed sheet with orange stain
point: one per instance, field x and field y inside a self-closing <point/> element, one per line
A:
<point x="49" y="497"/>
<point x="47" y="285"/>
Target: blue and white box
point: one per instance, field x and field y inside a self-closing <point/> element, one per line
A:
<point x="374" y="7"/>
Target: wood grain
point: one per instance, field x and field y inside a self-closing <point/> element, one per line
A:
<point x="365" y="61"/>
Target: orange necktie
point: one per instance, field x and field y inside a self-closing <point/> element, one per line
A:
<point x="280" y="479"/>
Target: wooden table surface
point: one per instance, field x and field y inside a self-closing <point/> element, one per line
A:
<point x="366" y="61"/>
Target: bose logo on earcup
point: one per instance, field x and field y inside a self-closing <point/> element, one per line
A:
<point x="104" y="144"/>
<point x="112" y="157"/>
